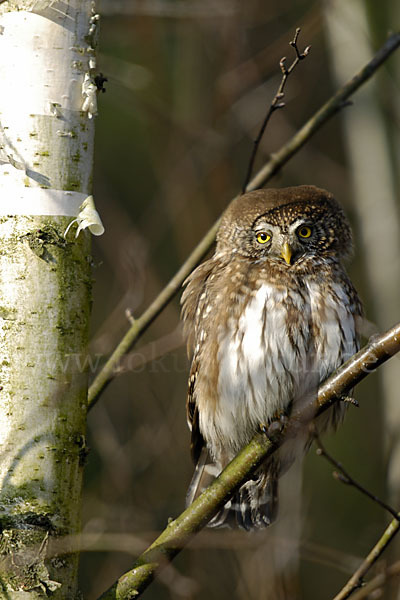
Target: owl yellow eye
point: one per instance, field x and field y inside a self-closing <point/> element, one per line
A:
<point x="262" y="237"/>
<point x="304" y="231"/>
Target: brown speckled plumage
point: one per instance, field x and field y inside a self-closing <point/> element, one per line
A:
<point x="268" y="317"/>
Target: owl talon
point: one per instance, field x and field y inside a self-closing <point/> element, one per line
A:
<point x="350" y="400"/>
<point x="273" y="430"/>
<point x="283" y="419"/>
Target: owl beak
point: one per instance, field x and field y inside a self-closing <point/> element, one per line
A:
<point x="286" y="253"/>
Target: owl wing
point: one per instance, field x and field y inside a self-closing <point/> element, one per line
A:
<point x="205" y="470"/>
<point x="193" y="298"/>
<point x="198" y="296"/>
<point x="192" y="415"/>
<point x="193" y="301"/>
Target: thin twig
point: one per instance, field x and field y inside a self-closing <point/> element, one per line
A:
<point x="277" y="102"/>
<point x="330" y="108"/>
<point x="179" y="532"/>
<point x="356" y="580"/>
<point x="377" y="582"/>
<point x="343" y="476"/>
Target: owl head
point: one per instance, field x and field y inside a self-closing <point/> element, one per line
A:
<point x="288" y="226"/>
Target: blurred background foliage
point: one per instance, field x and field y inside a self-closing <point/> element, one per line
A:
<point x="189" y="83"/>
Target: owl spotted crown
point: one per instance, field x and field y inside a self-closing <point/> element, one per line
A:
<point x="321" y="224"/>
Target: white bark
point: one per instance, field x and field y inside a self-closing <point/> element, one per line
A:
<point x="46" y="149"/>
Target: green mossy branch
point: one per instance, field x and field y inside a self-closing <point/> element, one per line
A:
<point x="193" y="519"/>
<point x="278" y="159"/>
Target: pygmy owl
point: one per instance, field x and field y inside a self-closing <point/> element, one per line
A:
<point x="268" y="318"/>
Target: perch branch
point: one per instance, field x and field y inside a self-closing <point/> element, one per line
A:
<point x="277" y="101"/>
<point x="194" y="518"/>
<point x="330" y="108"/>
<point x="344" y="477"/>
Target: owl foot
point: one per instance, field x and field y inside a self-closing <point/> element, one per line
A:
<point x="275" y="428"/>
<point x="350" y="400"/>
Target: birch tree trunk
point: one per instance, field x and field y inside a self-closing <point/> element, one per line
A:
<point x="46" y="148"/>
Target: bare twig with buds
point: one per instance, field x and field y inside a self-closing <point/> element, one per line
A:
<point x="344" y="477"/>
<point x="277" y="102"/>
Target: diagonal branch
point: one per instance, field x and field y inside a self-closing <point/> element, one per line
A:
<point x="377" y="582"/>
<point x="179" y="532"/>
<point x="356" y="580"/>
<point x="330" y="108"/>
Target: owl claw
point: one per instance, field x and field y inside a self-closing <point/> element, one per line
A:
<point x="283" y="419"/>
<point x="273" y="430"/>
<point x="350" y="400"/>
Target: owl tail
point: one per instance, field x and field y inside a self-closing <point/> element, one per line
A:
<point x="253" y="506"/>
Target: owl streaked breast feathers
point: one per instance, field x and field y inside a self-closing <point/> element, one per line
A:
<point x="268" y="318"/>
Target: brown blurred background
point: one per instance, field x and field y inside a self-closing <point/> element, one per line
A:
<point x="188" y="86"/>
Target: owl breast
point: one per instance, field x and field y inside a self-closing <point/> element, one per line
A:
<point x="279" y="350"/>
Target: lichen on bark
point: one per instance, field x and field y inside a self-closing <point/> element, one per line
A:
<point x="43" y="372"/>
<point x="46" y="146"/>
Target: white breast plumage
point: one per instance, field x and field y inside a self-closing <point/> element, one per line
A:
<point x="262" y="368"/>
